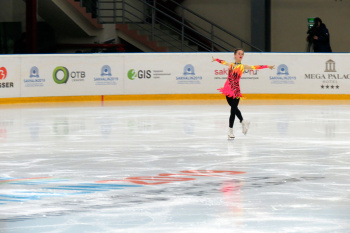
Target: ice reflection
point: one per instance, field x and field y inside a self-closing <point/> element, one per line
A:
<point x="170" y="168"/>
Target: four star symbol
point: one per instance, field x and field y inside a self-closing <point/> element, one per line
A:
<point x="329" y="87"/>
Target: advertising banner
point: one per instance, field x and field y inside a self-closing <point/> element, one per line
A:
<point x="169" y="73"/>
<point x="175" y="73"/>
<point x="283" y="79"/>
<point x="71" y="75"/>
<point x="149" y="74"/>
<point x="326" y="74"/>
<point x="294" y="73"/>
<point x="10" y="73"/>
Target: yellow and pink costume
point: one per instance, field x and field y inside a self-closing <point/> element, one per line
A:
<point x="231" y="87"/>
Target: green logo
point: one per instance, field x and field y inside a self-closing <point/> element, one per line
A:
<point x="65" y="75"/>
<point x="131" y="74"/>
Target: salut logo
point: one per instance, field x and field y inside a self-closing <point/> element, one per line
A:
<point x="189" y="76"/>
<point x="3" y="76"/>
<point x="283" y="76"/>
<point x="61" y="75"/>
<point x="141" y="74"/>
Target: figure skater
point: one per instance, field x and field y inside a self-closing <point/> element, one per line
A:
<point x="232" y="90"/>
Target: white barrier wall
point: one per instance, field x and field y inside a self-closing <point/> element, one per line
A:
<point x="169" y="73"/>
<point x="70" y="75"/>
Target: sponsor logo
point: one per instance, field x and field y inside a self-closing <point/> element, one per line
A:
<point x="283" y="76"/>
<point x="3" y="76"/>
<point x="331" y="78"/>
<point x="34" y="72"/>
<point x="282" y="70"/>
<point x="189" y="70"/>
<point x="330" y="66"/>
<point x="189" y="76"/>
<point x="131" y="74"/>
<point x="106" y="77"/>
<point x="141" y="74"/>
<point x="146" y="74"/>
<point x="247" y="74"/>
<point x="34" y="79"/>
<point x="106" y="70"/>
<point x="3" y="73"/>
<point x="61" y="75"/>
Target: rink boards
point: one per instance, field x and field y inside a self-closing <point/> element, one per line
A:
<point x="56" y="75"/>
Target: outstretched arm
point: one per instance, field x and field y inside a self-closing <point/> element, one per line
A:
<point x="258" y="67"/>
<point x="220" y="61"/>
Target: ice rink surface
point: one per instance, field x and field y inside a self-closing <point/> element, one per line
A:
<point x="167" y="166"/>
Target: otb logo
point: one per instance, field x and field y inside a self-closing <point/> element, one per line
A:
<point x="140" y="74"/>
<point x="61" y="75"/>
<point x="3" y="73"/>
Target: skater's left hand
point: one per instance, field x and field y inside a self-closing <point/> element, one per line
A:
<point x="271" y="67"/>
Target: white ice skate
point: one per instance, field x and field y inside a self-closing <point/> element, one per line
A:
<point x="245" y="126"/>
<point x="230" y="133"/>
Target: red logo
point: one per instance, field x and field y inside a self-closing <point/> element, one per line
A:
<point x="3" y="135"/>
<point x="3" y="73"/>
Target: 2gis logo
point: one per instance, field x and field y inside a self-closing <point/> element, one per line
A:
<point x="61" y="75"/>
<point x="3" y="73"/>
<point x="141" y="74"/>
